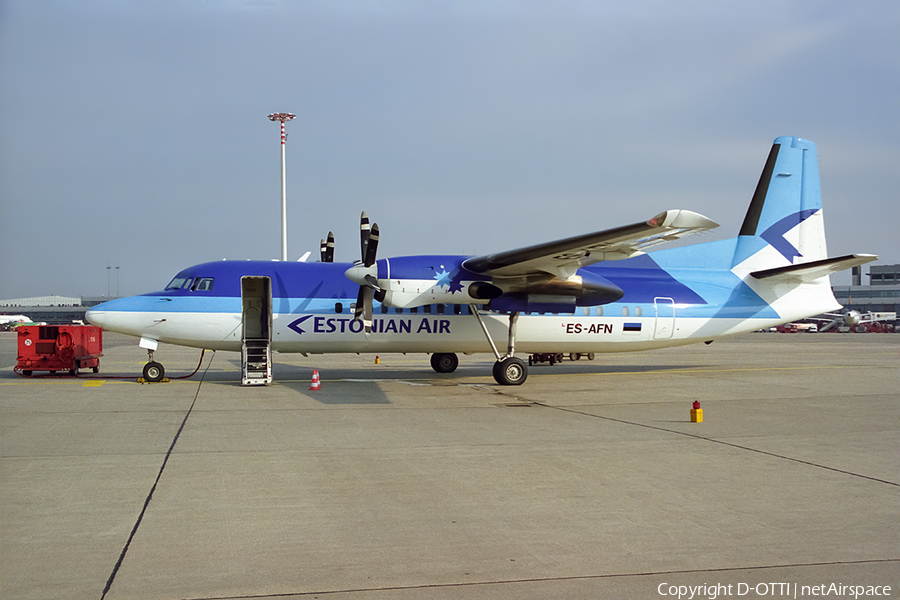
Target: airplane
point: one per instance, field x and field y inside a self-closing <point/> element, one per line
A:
<point x="598" y="292"/>
<point x="4" y="319"/>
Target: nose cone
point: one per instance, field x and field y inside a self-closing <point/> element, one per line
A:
<point x="96" y="316"/>
<point x="108" y="314"/>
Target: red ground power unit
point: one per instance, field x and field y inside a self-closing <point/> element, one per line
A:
<point x="59" y="348"/>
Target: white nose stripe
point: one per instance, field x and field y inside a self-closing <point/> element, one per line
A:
<point x="95" y="317"/>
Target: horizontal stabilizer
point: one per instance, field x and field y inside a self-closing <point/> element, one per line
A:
<point x="808" y="272"/>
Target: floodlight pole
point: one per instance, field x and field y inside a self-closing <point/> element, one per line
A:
<point x="284" y="118"/>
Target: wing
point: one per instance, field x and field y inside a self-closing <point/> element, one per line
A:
<point x="562" y="258"/>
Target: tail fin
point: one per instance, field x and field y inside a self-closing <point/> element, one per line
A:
<point x="784" y="224"/>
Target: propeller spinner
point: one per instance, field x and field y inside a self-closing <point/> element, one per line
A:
<point x="365" y="272"/>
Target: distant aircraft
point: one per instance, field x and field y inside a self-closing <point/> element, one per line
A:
<point x="4" y="319"/>
<point x="853" y="318"/>
<point x="599" y="292"/>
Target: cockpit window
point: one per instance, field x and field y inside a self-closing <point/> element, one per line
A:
<point x="203" y="284"/>
<point x="178" y="283"/>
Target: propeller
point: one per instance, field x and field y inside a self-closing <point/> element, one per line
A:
<point x="326" y="248"/>
<point x="365" y="272"/>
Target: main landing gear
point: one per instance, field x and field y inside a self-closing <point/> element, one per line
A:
<point x="508" y="370"/>
<point x="444" y="363"/>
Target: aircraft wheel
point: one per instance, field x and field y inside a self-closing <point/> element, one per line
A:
<point x="444" y="362"/>
<point x="590" y="356"/>
<point x="153" y="371"/>
<point x="510" y="371"/>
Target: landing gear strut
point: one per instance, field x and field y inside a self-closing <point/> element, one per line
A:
<point x="508" y="370"/>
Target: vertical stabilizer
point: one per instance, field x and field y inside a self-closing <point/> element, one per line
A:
<point x="784" y="224"/>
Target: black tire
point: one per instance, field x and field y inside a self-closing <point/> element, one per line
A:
<point x="510" y="371"/>
<point x="95" y="369"/>
<point x="444" y="362"/>
<point x="153" y="371"/>
<point x="27" y="373"/>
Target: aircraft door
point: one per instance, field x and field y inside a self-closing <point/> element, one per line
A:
<point x="256" y="330"/>
<point x="256" y="303"/>
<point x="665" y="318"/>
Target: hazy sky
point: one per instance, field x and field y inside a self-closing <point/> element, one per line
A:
<point x="134" y="133"/>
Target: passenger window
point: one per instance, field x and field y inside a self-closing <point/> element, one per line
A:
<point x="638" y="311"/>
<point x="384" y="309"/>
<point x="414" y="310"/>
<point x="427" y="309"/>
<point x="338" y="307"/>
<point x="440" y="309"/>
<point x="624" y="311"/>
<point x="457" y="309"/>
<point x="587" y="311"/>
<point x="599" y="311"/>
<point x="399" y="311"/>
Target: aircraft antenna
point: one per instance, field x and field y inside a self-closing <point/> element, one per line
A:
<point x="284" y="118"/>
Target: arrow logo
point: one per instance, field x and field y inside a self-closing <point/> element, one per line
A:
<point x="775" y="234"/>
<point x="295" y="325"/>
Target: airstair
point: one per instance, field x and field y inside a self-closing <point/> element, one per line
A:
<point x="256" y="317"/>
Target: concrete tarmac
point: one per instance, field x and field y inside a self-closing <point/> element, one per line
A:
<point x="395" y="482"/>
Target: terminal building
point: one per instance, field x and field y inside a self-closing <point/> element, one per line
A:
<point x="50" y="309"/>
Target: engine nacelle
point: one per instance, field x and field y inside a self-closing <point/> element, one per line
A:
<point x="409" y="282"/>
<point x="853" y="318"/>
<point x="551" y="294"/>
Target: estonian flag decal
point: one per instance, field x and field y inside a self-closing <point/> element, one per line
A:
<point x="632" y="327"/>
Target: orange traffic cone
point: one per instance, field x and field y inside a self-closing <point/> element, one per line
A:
<point x="315" y="381"/>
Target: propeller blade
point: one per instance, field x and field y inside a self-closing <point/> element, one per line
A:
<point x="364" y="232"/>
<point x="373" y="283"/>
<point x="360" y="302"/>
<point x="364" y="307"/>
<point x="322" y="250"/>
<point x="367" y="310"/>
<point x="368" y="282"/>
<point x="371" y="247"/>
<point x="329" y="248"/>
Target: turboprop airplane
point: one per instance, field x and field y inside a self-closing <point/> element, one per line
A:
<point x="598" y="292"/>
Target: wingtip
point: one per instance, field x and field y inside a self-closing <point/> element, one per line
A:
<point x="682" y="219"/>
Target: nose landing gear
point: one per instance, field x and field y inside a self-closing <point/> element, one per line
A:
<point x="153" y="371"/>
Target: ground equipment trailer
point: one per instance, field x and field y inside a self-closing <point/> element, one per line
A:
<point x="58" y="348"/>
